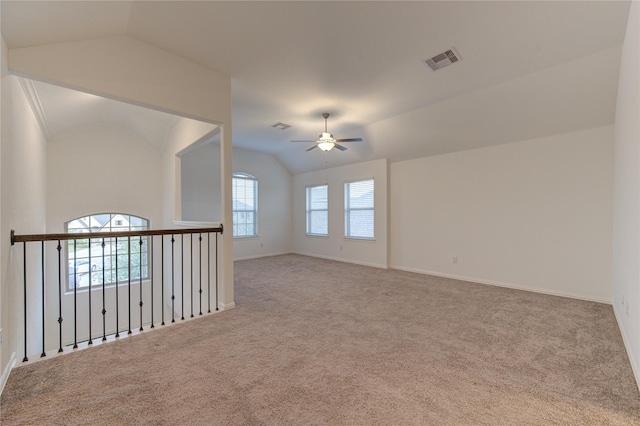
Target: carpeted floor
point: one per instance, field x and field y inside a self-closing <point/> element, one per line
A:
<point x="316" y="342"/>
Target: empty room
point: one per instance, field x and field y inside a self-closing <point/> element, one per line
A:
<point x="314" y="212"/>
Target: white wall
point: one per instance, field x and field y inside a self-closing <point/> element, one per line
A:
<point x="23" y="191"/>
<point x="127" y="69"/>
<point x="274" y="205"/>
<point x="102" y="168"/>
<point x="97" y="169"/>
<point x="626" y="231"/>
<point x="201" y="183"/>
<point x="535" y="214"/>
<point x="336" y="246"/>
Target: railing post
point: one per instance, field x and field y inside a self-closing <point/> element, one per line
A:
<point x="141" y="283"/>
<point x="191" y="275"/>
<point x="151" y="264"/>
<point x="60" y="295"/>
<point x="24" y="263"/>
<point x="90" y="274"/>
<point x="75" y="297"/>
<point x="44" y="301"/>
<point x="117" y="297"/>
<point x="200" y="268"/>
<point x="182" y="275"/>
<point x="104" y="308"/>
<point x="173" y="275"/>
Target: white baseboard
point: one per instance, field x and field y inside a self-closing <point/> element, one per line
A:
<point x="635" y="367"/>
<point x="7" y="371"/>
<point x="341" y="259"/>
<point x="225" y="306"/>
<point x="506" y="285"/>
<point x="258" y="256"/>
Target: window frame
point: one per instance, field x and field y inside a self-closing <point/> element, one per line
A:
<point x="310" y="210"/>
<point x="348" y="209"/>
<point x="110" y="225"/>
<point x="254" y="211"/>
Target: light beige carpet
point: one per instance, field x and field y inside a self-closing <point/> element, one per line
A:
<point x="320" y="342"/>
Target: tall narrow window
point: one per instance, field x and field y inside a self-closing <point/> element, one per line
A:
<point x="245" y="205"/>
<point x="91" y="260"/>
<point x="358" y="209"/>
<point x="317" y="210"/>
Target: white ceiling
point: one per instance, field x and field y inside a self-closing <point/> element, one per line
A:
<point x="529" y="69"/>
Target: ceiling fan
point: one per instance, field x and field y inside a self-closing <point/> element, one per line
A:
<point x="326" y="141"/>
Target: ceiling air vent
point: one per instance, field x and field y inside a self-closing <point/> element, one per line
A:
<point x="281" y="126"/>
<point x="443" y="59"/>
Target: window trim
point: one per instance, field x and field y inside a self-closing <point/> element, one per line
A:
<point x="348" y="210"/>
<point x="309" y="211"/>
<point x="247" y="177"/>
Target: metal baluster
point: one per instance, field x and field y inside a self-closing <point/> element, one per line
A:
<point x="182" y="274"/>
<point x="173" y="275"/>
<point x="140" y="283"/>
<point x="117" y="298"/>
<point x="24" y="258"/>
<point x="162" y="277"/>
<point x="200" y="267"/>
<point x="129" y="278"/>
<point x="75" y="297"/>
<point x="217" y="271"/>
<point x="191" y="275"/>
<point x="44" y="300"/>
<point x="90" y="273"/>
<point x="150" y="266"/>
<point x="104" y="310"/>
<point x="209" y="272"/>
<point x="60" y="295"/>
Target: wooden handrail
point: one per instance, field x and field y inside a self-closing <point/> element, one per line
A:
<point x="97" y="235"/>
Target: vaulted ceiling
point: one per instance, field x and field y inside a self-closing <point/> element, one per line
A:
<point x="528" y="69"/>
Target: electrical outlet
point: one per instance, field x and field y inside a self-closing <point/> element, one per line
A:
<point x="455" y="260"/>
<point x="261" y="245"/>
<point x="340" y="248"/>
<point x="627" y="311"/>
<point x="0" y="336"/>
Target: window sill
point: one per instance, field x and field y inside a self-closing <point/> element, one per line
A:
<point x="98" y="287"/>
<point x="323" y="236"/>
<point x="247" y="237"/>
<point x="362" y="239"/>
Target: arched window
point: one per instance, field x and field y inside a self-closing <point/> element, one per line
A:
<point x="95" y="260"/>
<point x="245" y="205"/>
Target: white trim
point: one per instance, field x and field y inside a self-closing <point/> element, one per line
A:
<point x="225" y="306"/>
<point x="506" y="285"/>
<point x="196" y="224"/>
<point x="36" y="106"/>
<point x="635" y="367"/>
<point x="7" y="371"/>
<point x="340" y="259"/>
<point x="258" y="256"/>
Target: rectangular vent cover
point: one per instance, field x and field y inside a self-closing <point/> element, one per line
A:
<point x="281" y="126"/>
<point x="443" y="59"/>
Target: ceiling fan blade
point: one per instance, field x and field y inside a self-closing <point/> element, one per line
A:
<point x="304" y="141"/>
<point x="340" y="147"/>
<point x="349" y="140"/>
<point x="315" y="146"/>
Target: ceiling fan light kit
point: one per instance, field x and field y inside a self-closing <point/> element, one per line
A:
<point x="326" y="142"/>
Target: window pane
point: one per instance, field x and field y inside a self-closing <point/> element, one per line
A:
<point x="359" y="209"/>
<point x="87" y="259"/>
<point x="317" y="210"/>
<point x="245" y="200"/>
<point x="360" y="223"/>
<point x="318" y="222"/>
